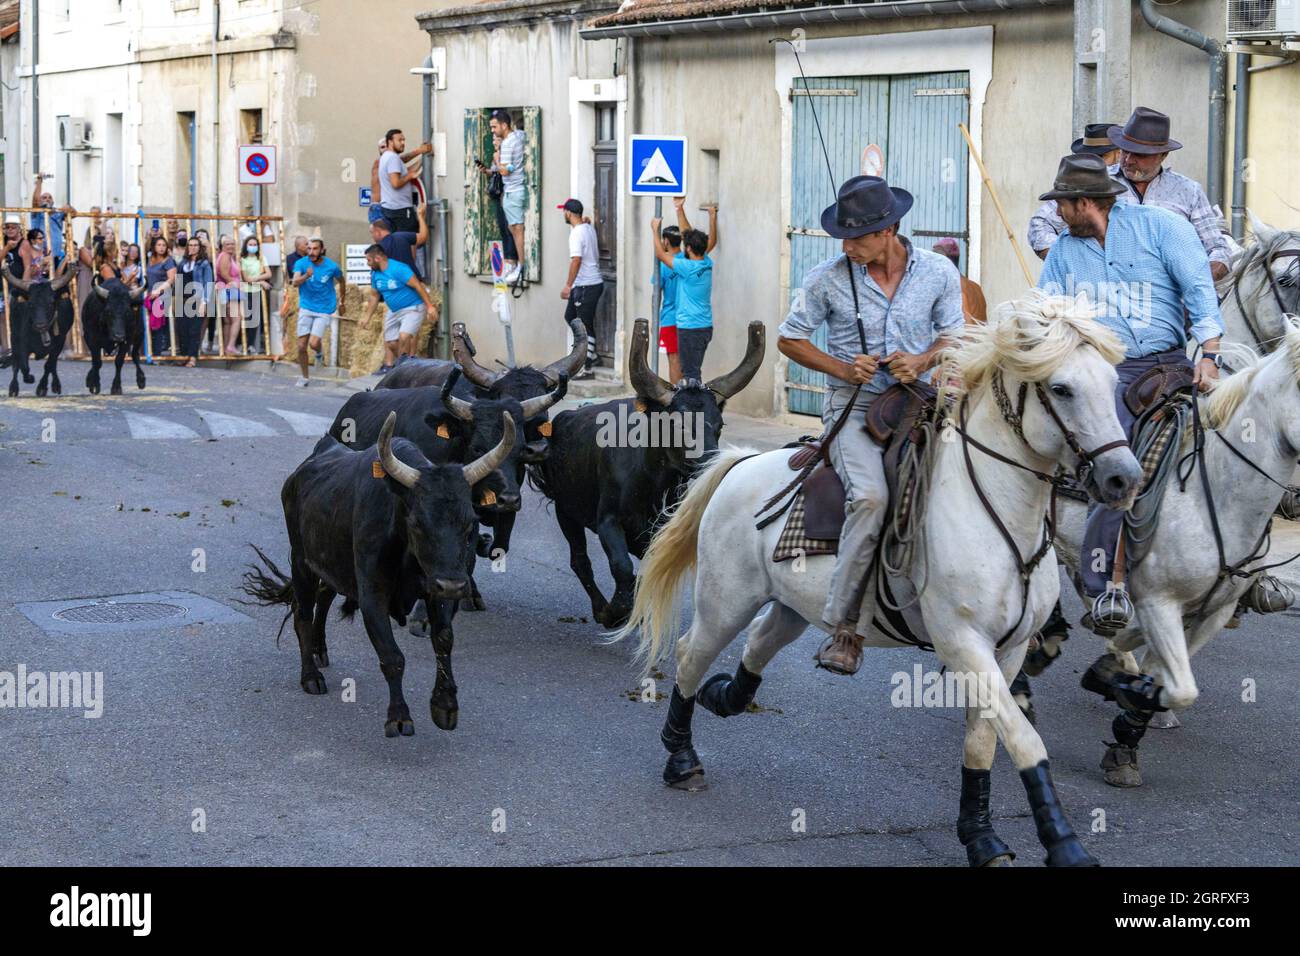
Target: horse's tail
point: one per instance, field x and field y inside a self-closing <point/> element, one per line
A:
<point x="669" y="558"/>
<point x="270" y="588"/>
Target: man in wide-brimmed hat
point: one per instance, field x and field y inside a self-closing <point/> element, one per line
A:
<point x="1143" y="143"/>
<point x="888" y="308"/>
<point x="1046" y="224"/>
<point x="1144" y="266"/>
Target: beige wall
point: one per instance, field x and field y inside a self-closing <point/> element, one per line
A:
<point x="1272" y="145"/>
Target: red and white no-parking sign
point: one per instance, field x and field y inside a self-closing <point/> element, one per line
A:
<point x="256" y="165"/>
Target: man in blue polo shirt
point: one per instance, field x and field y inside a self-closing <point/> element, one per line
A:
<point x="314" y="276"/>
<point x="403" y="293"/>
<point x="694" y="279"/>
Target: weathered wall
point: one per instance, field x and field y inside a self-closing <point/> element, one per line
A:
<point x="1272" y="145"/>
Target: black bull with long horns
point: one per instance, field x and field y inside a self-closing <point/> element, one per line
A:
<point x="112" y="325"/>
<point x="39" y="322"/>
<point x="618" y="488"/>
<point x="384" y="527"/>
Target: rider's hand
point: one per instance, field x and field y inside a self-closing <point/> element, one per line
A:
<point x="906" y="367"/>
<point x="1205" y="375"/>
<point x="863" y="369"/>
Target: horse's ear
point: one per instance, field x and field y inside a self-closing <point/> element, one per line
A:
<point x="1262" y="231"/>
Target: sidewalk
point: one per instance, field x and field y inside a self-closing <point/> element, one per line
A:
<point x="1286" y="542"/>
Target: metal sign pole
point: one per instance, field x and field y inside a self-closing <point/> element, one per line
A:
<point x="658" y="298"/>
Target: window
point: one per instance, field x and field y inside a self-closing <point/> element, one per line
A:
<point x="480" y="210"/>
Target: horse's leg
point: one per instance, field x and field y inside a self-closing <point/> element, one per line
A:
<point x="118" y="360"/>
<point x="576" y="535"/>
<point x="392" y="663"/>
<point x="775" y="626"/>
<point x="966" y="652"/>
<point x="139" y="372"/>
<point x="443" y="705"/>
<point x="715" y="625"/>
<point x="974" y="821"/>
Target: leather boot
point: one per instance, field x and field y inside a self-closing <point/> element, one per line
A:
<point x="842" y="654"/>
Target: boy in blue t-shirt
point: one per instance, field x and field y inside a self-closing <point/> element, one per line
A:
<point x="672" y="237"/>
<point x="403" y="293"/>
<point x="693" y="301"/>
<point x="314" y="276"/>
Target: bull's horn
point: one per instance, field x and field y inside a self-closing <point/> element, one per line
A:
<point x="480" y="468"/>
<point x="137" y="294"/>
<point x="462" y="352"/>
<point x="101" y="292"/>
<point x="399" y="471"/>
<point x="63" y="278"/>
<point x="22" y="285"/>
<point x="459" y="407"/>
<point x="572" y="363"/>
<point x="729" y="384"/>
<point x="535" y="406"/>
<point x="452" y="377"/>
<point x="646" y="383"/>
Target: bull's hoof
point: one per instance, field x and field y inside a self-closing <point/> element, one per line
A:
<point x="684" y="771"/>
<point x="116" y="389"/>
<point x="41" y="391"/>
<point x="1070" y="852"/>
<point x="444" y="718"/>
<point x="613" y="616"/>
<point x="56" y="388"/>
<point x="1119" y="767"/>
<point x="92" y="385"/>
<point x="394" y="728"/>
<point x="139" y="380"/>
<point x="28" y="377"/>
<point x="314" y="684"/>
<point x="473" y="603"/>
<point x="13" y="389"/>
<point x="322" y="657"/>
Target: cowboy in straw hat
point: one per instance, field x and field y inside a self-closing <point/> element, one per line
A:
<point x="888" y="308"/>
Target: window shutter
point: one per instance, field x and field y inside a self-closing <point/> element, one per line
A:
<point x="533" y="183"/>
<point x="477" y="214"/>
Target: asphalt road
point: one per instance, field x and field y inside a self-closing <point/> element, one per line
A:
<point x="555" y="759"/>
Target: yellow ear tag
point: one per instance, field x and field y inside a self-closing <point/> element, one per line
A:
<point x="489" y="498"/>
<point x="376" y="469"/>
<point x="444" y="431"/>
<point x="544" y="429"/>
<point x="640" y="406"/>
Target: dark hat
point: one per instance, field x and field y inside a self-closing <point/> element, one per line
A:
<point x="1095" y="139"/>
<point x="865" y="204"/>
<point x="1082" y="176"/>
<point x="1146" y="132"/>
<point x="571" y="205"/>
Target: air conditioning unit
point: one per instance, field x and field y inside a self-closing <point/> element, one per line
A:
<point x="74" y="133"/>
<point x="1263" y="19"/>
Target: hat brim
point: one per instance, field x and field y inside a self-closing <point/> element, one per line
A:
<point x="1078" y="147"/>
<point x="902" y="203"/>
<point x="1115" y="190"/>
<point x="1116" y="134"/>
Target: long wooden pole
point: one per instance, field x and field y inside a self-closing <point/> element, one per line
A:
<point x="997" y="203"/>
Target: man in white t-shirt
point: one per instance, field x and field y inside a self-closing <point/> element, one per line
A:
<point x="585" y="283"/>
<point x="395" y="182"/>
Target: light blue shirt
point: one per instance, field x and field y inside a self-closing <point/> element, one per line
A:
<point x="1152" y="267"/>
<point x="926" y="307"/>
<point x="50" y="223"/>
<point x="694" y="292"/>
<point x="668" y="288"/>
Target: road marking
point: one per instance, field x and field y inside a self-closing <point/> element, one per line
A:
<point x="147" y="426"/>
<point x="229" y="426"/>
<point x="313" y="426"/>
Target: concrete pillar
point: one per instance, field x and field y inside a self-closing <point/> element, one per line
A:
<point x="1102" y="88"/>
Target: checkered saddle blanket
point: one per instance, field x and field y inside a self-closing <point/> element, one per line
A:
<point x="794" y="541"/>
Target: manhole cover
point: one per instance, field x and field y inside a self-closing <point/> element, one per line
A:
<point x="112" y="613"/>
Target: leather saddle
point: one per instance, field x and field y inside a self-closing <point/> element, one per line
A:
<point x="1156" y="386"/>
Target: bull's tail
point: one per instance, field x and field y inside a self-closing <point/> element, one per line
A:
<point x="269" y="587"/>
<point x="671" y="555"/>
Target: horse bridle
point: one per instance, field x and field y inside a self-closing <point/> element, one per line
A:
<point x="1273" y="284"/>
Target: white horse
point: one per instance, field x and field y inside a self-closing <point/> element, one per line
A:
<point x="1180" y="596"/>
<point x="975" y="606"/>
<point x="1262" y="288"/>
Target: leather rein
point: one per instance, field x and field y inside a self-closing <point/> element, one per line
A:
<point x="1235" y="292"/>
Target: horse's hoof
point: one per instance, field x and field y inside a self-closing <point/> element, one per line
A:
<point x="614" y="616"/>
<point x="1163" y="720"/>
<point x="404" y="728"/>
<point x="1070" y="852"/>
<point x="314" y="685"/>
<point x="444" y="718"/>
<point x="322" y="658"/>
<point x="1001" y="860"/>
<point x="987" y="849"/>
<point x="1119" y="766"/>
<point x="684" y="771"/>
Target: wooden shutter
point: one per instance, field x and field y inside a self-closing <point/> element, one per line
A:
<point x="532" y="252"/>
<point x="478" y="217"/>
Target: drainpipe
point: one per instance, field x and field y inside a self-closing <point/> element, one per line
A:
<point x="429" y="78"/>
<point x="1218" y="118"/>
<point x="36" y="87"/>
<point x="216" y="111"/>
<point x="1240" y="121"/>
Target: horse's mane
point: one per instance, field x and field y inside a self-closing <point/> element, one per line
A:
<point x="1029" y="338"/>
<point x="1228" y="395"/>
<point x="1258" y="250"/>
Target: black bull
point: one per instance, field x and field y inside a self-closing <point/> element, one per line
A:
<point x="479" y="382"/>
<point x="112" y="324"/>
<point x="40" y="317"/>
<point x="618" y="491"/>
<point x="383" y="527"/>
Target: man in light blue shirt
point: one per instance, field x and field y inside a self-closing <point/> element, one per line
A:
<point x="1146" y="267"/>
<point x="889" y="309"/>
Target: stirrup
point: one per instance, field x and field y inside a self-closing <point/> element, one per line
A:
<point x="1268" y="595"/>
<point x="1112" y="610"/>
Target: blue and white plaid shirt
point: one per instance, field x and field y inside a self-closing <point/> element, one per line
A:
<point x="1152" y="268"/>
<point x="926" y="307"/>
<point x="1169" y="190"/>
<point x="512" y="155"/>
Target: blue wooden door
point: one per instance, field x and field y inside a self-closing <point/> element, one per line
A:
<point x="913" y="119"/>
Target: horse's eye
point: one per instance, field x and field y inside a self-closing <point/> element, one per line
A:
<point x="1062" y="391"/>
